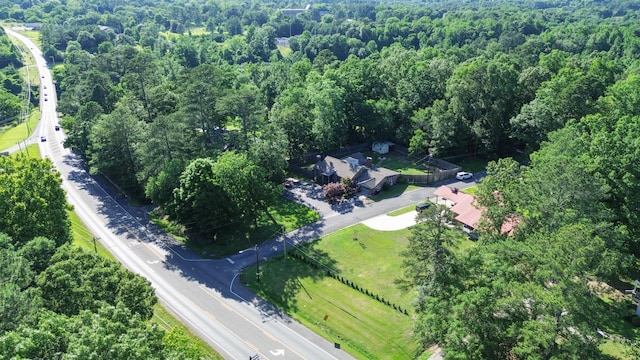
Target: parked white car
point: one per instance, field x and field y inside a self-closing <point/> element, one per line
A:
<point x="463" y="175"/>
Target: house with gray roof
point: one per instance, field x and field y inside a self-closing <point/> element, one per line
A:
<point x="358" y="169"/>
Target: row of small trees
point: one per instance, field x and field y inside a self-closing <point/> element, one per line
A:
<point x="334" y="274"/>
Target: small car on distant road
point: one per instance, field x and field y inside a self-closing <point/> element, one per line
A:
<point x="421" y="207"/>
<point x="57" y="127"/>
<point x="463" y="175"/>
<point x="43" y="139"/>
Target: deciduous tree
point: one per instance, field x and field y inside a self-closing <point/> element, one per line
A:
<point x="32" y="202"/>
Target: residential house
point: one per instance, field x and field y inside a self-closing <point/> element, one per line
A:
<point x="359" y="170"/>
<point x="332" y="169"/>
<point x="466" y="212"/>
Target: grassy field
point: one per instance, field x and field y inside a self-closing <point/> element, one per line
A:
<point x="11" y="135"/>
<point x="28" y="59"/>
<point x="33" y="35"/>
<point x="364" y="327"/>
<point x="367" y="257"/>
<point x="32" y="151"/>
<point x="15" y="133"/>
<point x="284" y="51"/>
<point x="231" y="239"/>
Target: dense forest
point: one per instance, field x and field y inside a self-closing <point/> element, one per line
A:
<point x="152" y="96"/>
<point x="193" y="106"/>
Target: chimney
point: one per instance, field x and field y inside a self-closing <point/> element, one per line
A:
<point x="368" y="162"/>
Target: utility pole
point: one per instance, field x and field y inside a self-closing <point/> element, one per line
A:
<point x="257" y="264"/>
<point x="284" y="242"/>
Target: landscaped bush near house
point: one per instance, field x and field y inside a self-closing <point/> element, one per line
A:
<point x="349" y="187"/>
<point x="334" y="192"/>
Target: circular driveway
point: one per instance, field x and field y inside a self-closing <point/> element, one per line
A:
<point x="391" y="223"/>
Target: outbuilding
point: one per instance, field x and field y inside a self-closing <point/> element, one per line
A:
<point x="381" y="147"/>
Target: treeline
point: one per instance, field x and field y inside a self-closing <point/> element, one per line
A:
<point x="57" y="301"/>
<point x="142" y="100"/>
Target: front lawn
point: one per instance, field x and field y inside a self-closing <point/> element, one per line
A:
<point x="367" y="257"/>
<point x="367" y="260"/>
<point x="394" y="191"/>
<point x="359" y="324"/>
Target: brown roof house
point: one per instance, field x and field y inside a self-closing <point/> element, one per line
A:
<point x="466" y="212"/>
<point x="357" y="168"/>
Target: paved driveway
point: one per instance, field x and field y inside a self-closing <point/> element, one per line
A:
<point x="392" y="223"/>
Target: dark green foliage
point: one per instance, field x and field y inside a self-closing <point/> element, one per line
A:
<point x="9" y="54"/>
<point x="112" y="332"/>
<point x="79" y="281"/>
<point x="31" y="201"/>
<point x="501" y="76"/>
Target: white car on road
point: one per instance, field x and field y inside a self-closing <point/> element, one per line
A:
<point x="463" y="175"/>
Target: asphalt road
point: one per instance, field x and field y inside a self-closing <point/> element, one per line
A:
<point x="203" y="293"/>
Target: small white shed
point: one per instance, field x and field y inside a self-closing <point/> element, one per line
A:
<point x="381" y="147"/>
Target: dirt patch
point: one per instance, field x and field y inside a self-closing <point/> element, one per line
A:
<point x="605" y="290"/>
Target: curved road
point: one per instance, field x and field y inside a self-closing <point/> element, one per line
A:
<point x="203" y="293"/>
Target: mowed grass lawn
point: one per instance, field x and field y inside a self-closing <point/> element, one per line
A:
<point x="365" y="327"/>
<point x="396" y="162"/>
<point x="367" y="257"/>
